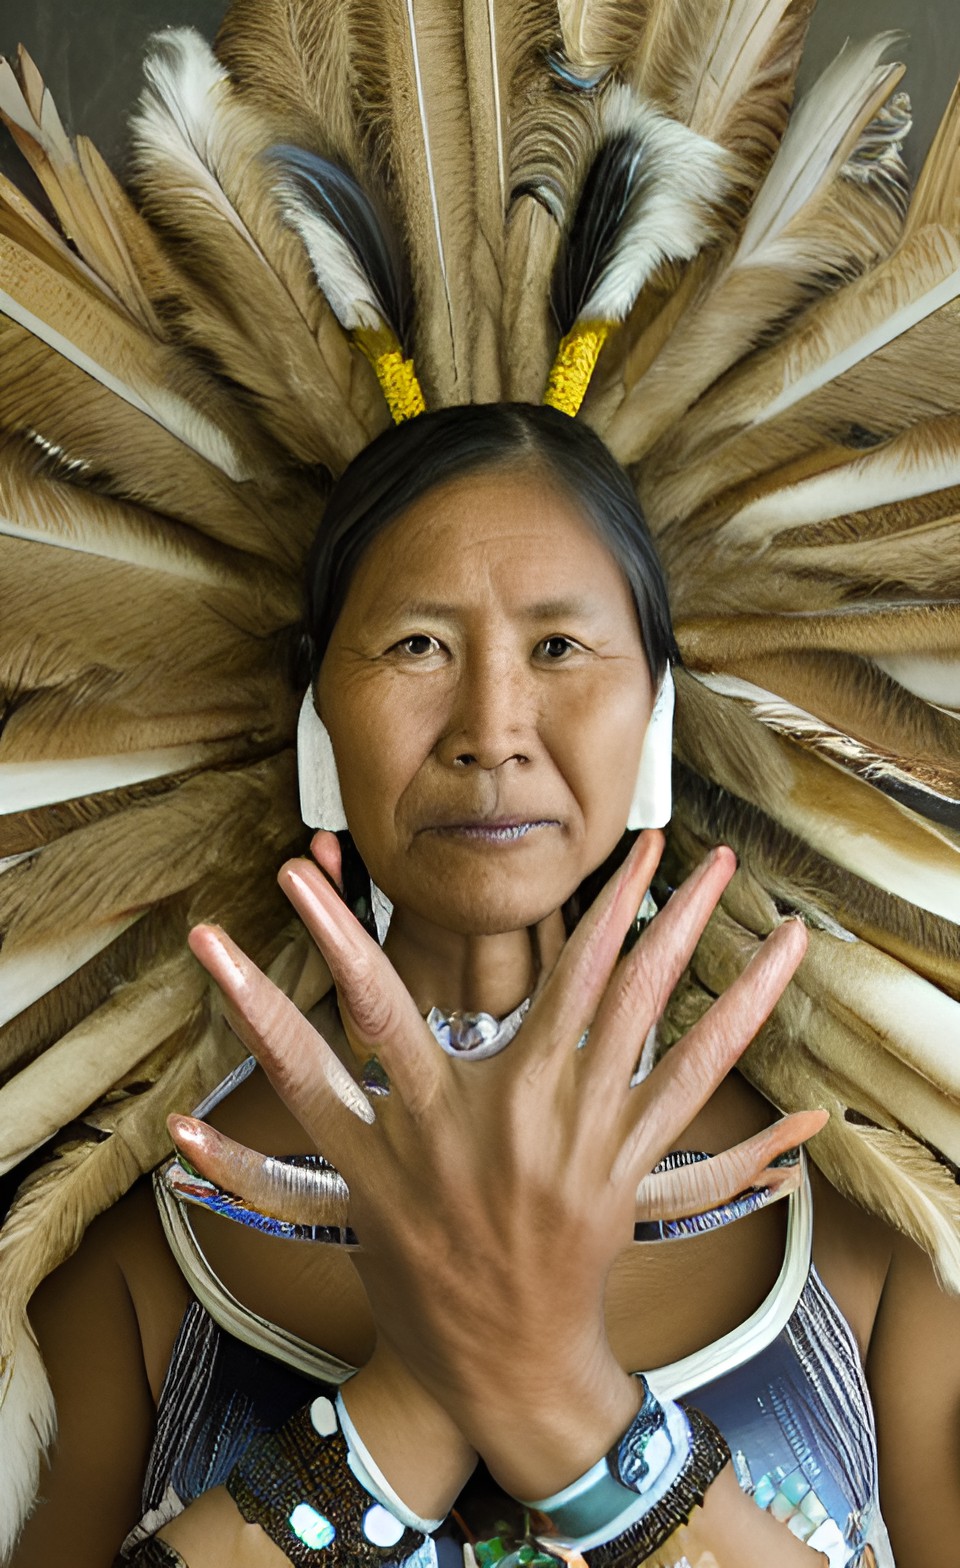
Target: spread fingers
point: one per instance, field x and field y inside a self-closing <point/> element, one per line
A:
<point x="660" y="1108"/>
<point x="644" y="980"/>
<point x="569" y="1000"/>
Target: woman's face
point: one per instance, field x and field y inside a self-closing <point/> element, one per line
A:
<point x="487" y="693"/>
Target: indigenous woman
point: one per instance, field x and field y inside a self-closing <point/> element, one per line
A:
<point x="488" y="631"/>
<point x="492" y="1236"/>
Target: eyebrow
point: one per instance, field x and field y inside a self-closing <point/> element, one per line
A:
<point x="545" y="610"/>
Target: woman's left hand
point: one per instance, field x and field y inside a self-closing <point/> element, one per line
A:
<point x="491" y="1199"/>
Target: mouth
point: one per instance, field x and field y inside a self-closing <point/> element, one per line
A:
<point x="505" y="831"/>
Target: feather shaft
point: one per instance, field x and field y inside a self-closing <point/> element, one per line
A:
<point x="78" y="331"/>
<point x="26" y="785"/>
<point x="846" y="820"/>
<point x="25" y="977"/>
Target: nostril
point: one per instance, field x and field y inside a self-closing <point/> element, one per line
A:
<point x="465" y="759"/>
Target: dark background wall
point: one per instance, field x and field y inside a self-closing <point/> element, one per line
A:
<point x="89" y="53"/>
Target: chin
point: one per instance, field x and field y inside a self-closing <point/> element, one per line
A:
<point x="493" y="918"/>
<point x="475" y="892"/>
<point x="490" y="904"/>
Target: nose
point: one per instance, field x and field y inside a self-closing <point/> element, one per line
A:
<point x="492" y="720"/>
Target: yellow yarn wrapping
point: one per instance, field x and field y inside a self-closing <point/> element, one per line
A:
<point x="574" y="365"/>
<point x="396" y="375"/>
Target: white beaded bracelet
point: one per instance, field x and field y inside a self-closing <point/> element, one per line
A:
<point x="372" y="1478"/>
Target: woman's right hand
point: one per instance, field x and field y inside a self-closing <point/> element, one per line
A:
<point x="476" y="1185"/>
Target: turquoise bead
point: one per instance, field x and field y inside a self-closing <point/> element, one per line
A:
<point x="795" y="1487"/>
<point x="311" y="1527"/>
<point x="765" y="1492"/>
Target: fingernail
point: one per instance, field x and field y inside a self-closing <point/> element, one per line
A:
<point x="219" y="956"/>
<point x="184" y="1129"/>
<point x="308" y="897"/>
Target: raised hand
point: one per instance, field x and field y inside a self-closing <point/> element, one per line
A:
<point x="480" y="1188"/>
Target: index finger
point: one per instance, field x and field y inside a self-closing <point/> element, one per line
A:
<point x="306" y="1073"/>
<point x="375" y="1005"/>
<point x="682" y="1083"/>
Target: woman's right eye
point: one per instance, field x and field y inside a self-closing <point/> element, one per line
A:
<point x="418" y="646"/>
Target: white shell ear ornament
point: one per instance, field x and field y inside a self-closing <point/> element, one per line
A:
<point x="652" y="801"/>
<point x="321" y="805"/>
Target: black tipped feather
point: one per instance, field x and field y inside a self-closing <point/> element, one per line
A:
<point x="614" y="186"/>
<point x="649" y="196"/>
<point x="334" y="197"/>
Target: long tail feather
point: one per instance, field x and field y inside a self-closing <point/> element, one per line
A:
<point x="204" y="179"/>
<point x="82" y="432"/>
<point x="297" y="63"/>
<point x="853" y="823"/>
<point x="418" y="117"/>
<point x="726" y="70"/>
<point x="932" y="792"/>
<point x="97" y="1054"/>
<point x="101" y="344"/>
<point x="84" y="195"/>
<point x="784" y="255"/>
<point x="812" y="1051"/>
<point x="794" y="878"/>
<point x="796" y="395"/>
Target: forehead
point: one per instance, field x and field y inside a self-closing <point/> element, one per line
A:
<point x="513" y="531"/>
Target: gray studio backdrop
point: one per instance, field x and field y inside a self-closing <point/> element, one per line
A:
<point x="89" y="52"/>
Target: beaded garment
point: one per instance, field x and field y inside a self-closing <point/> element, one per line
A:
<point x="786" y="1388"/>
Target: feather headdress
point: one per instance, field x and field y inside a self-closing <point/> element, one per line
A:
<point x="481" y="201"/>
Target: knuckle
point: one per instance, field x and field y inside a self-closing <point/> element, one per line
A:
<point x="373" y="1012"/>
<point x="643" y="994"/>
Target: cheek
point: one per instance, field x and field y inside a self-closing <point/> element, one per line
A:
<point x="596" y="743"/>
<point x="380" y="744"/>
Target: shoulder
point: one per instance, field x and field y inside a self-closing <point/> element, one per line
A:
<point x="914" y="1375"/>
<point x="122" y="1273"/>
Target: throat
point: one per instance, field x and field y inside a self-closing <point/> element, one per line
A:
<point x="468" y="973"/>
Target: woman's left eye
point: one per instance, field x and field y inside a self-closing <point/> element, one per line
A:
<point x="556" y="647"/>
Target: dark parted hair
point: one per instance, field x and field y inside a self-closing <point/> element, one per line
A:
<point x="410" y="459"/>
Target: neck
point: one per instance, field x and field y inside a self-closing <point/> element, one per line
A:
<point x="490" y="974"/>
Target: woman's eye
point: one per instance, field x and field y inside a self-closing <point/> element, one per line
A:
<point x="417" y="647"/>
<point x="556" y="647"/>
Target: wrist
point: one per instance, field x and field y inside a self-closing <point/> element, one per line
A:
<point x="413" y="1441"/>
<point x="551" y="1431"/>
